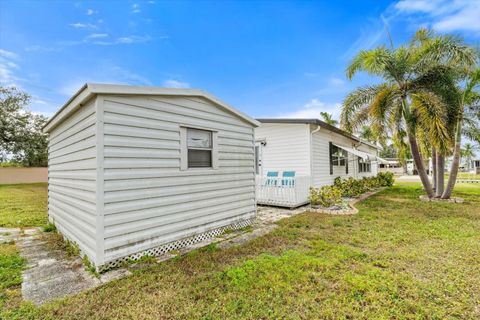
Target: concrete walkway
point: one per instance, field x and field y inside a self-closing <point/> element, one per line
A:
<point x="51" y="274"/>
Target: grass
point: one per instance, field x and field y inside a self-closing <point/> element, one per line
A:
<point x="399" y="258"/>
<point x="23" y="205"/>
<point x="11" y="266"/>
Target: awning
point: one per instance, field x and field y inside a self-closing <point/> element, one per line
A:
<point x="381" y="160"/>
<point x="363" y="155"/>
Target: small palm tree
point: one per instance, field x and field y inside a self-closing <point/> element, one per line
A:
<point x="328" y="119"/>
<point x="411" y="101"/>
<point x="468" y="153"/>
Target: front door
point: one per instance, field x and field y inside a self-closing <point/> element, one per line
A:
<point x="258" y="159"/>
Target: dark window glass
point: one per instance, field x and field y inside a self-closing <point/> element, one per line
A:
<point x="199" y="158"/>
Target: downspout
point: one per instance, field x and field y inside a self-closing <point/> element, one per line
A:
<point x="311" y="154"/>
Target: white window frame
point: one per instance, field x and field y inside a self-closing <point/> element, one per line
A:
<point x="364" y="166"/>
<point x="341" y="157"/>
<point x="184" y="148"/>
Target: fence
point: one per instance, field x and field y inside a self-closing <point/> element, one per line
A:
<point x="283" y="192"/>
<point x="12" y="175"/>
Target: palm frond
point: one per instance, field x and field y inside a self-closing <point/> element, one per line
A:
<point x="371" y="61"/>
<point x="431" y="118"/>
<point x="353" y="108"/>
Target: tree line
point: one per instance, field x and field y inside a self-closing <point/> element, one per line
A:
<point x="22" y="142"/>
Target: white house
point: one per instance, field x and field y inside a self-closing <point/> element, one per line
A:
<point x="311" y="151"/>
<point x="145" y="170"/>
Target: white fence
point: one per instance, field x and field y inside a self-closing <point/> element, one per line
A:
<point x="283" y="192"/>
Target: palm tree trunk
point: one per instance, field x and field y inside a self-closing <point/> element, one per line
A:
<point x="440" y="175"/>
<point x="434" y="168"/>
<point x="417" y="158"/>
<point x="455" y="162"/>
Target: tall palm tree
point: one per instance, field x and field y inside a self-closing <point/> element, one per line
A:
<point x="328" y="119"/>
<point x="367" y="134"/>
<point x="408" y="102"/>
<point x="468" y="113"/>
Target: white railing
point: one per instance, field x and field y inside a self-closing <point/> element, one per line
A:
<point x="283" y="192"/>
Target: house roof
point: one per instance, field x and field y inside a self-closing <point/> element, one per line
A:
<point x="88" y="90"/>
<point x="319" y="123"/>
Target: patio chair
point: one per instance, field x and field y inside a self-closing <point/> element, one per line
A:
<point x="288" y="182"/>
<point x="271" y="180"/>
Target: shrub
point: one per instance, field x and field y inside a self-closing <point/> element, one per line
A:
<point x="50" y="228"/>
<point x="386" y="179"/>
<point x="325" y="196"/>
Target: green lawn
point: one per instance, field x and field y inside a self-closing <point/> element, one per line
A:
<point x="23" y="205"/>
<point x="399" y="258"/>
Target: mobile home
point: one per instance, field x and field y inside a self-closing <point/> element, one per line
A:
<point x="312" y="152"/>
<point x="144" y="170"/>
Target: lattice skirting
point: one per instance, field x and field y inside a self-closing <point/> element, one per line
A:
<point x="175" y="245"/>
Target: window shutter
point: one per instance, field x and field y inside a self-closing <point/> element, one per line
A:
<point x="346" y="164"/>
<point x="330" y="145"/>
<point x="183" y="149"/>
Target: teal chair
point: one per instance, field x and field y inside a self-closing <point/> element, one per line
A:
<point x="271" y="180"/>
<point x="288" y="182"/>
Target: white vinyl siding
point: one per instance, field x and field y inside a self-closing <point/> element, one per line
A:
<point x="287" y="147"/>
<point x="72" y="178"/>
<point x="148" y="199"/>
<point x="321" y="160"/>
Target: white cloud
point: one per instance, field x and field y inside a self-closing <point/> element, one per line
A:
<point x="97" y="36"/>
<point x="7" y="67"/>
<point x="80" y="25"/>
<point x="312" y="109"/>
<point x="171" y="83"/>
<point x="8" y="54"/>
<point x="91" y="12"/>
<point x="136" y="8"/>
<point x="445" y="16"/>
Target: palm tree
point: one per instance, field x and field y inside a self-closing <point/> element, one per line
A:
<point x="468" y="153"/>
<point x="367" y="134"/>
<point x="410" y="102"/>
<point x="468" y="113"/>
<point x="327" y="118"/>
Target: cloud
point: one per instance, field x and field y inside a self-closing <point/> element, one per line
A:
<point x="38" y="48"/>
<point x="8" y="54"/>
<point x="443" y="15"/>
<point x="312" y="109"/>
<point x="7" y="68"/>
<point x="91" y="12"/>
<point x="136" y="8"/>
<point x="97" y="36"/>
<point x="171" y="83"/>
<point x="80" y="25"/>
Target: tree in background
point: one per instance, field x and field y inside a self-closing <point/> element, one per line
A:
<point x="327" y="118"/>
<point x="468" y="153"/>
<point x="21" y="137"/>
<point x="410" y="104"/>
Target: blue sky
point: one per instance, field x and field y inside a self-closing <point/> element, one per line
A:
<point x="266" y="58"/>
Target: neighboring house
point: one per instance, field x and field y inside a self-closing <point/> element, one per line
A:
<point x="146" y="170"/>
<point x="475" y="166"/>
<point x="392" y="165"/>
<point x="315" y="151"/>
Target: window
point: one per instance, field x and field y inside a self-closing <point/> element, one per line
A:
<point x="198" y="148"/>
<point x="364" y="166"/>
<point x="339" y="156"/>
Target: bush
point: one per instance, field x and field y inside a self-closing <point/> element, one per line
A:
<point x="351" y="187"/>
<point x="325" y="196"/>
<point x="386" y="179"/>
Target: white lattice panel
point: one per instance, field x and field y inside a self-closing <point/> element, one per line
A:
<point x="157" y="251"/>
